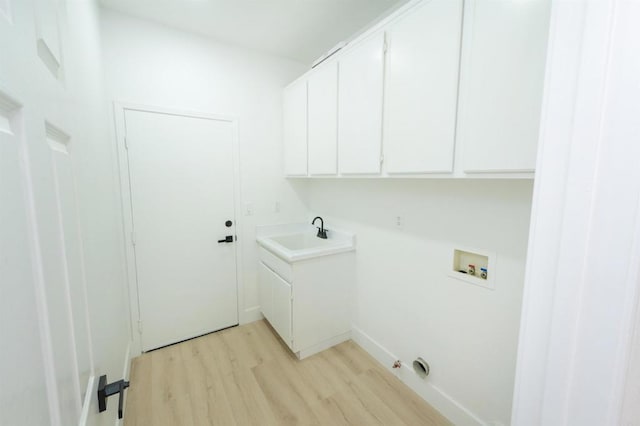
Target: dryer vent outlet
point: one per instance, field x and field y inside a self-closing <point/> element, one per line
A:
<point x="421" y="367"/>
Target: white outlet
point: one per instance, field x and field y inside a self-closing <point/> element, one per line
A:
<point x="248" y="209"/>
<point x="399" y="221"/>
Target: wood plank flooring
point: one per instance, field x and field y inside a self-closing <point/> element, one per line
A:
<point x="247" y="376"/>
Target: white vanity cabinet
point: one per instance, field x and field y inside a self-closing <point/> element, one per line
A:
<point x="360" y="95"/>
<point x="323" y="120"/>
<point x="502" y="76"/>
<point x="307" y="302"/>
<point x="421" y="81"/>
<point x="295" y="128"/>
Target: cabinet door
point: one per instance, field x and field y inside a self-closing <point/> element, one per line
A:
<point x="423" y="52"/>
<point x="295" y="128"/>
<point x="275" y="301"/>
<point x="282" y="309"/>
<point x="265" y="291"/>
<point x="323" y="120"/>
<point x="360" y="107"/>
<point x="503" y="62"/>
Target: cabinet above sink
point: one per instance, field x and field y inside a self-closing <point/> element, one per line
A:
<point x="441" y="88"/>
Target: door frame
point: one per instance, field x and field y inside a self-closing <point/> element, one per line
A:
<point x="119" y="109"/>
<point x="578" y="337"/>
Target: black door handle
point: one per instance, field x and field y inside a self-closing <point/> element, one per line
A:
<point x="227" y="239"/>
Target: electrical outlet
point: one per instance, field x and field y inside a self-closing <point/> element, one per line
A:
<point x="248" y="209"/>
<point x="399" y="222"/>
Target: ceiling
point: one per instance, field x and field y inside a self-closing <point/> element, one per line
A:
<point x="301" y="30"/>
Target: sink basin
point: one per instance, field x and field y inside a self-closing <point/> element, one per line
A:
<point x="294" y="242"/>
<point x="300" y="241"/>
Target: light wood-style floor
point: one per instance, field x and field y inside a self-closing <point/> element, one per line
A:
<point x="246" y="376"/>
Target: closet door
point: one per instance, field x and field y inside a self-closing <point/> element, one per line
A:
<point x="502" y="76"/>
<point x="323" y="120"/>
<point x="423" y="51"/>
<point x="360" y="89"/>
<point x="295" y="128"/>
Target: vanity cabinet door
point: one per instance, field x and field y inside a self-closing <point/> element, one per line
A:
<point x="265" y="291"/>
<point x="502" y="78"/>
<point x="282" y="309"/>
<point x="422" y="62"/>
<point x="360" y="93"/>
<point x="323" y="120"/>
<point x="275" y="301"/>
<point x="295" y="128"/>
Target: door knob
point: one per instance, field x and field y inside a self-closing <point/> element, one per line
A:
<point x="227" y="239"/>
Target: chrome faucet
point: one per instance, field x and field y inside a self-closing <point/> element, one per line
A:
<point x="322" y="233"/>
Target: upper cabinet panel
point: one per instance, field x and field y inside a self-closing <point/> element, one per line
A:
<point x="323" y="120"/>
<point x="360" y="93"/>
<point x="295" y="129"/>
<point x="423" y="52"/>
<point x="504" y="51"/>
<point x="441" y="88"/>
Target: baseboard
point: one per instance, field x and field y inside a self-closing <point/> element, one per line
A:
<point x="250" y="315"/>
<point x="445" y="404"/>
<point x="326" y="344"/>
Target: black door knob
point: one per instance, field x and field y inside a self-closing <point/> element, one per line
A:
<point x="227" y="239"/>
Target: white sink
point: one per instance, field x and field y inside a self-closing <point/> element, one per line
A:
<point x="294" y="242"/>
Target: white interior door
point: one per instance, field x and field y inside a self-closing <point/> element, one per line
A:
<point x="182" y="195"/>
<point x="24" y="396"/>
<point x="69" y="304"/>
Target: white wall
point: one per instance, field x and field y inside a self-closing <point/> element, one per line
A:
<point x="61" y="331"/>
<point x="406" y="303"/>
<point x="155" y="65"/>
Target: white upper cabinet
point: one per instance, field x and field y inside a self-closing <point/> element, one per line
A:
<point x="323" y="120"/>
<point x="502" y="73"/>
<point x="295" y="128"/>
<point x="447" y="87"/>
<point x="360" y="93"/>
<point x="423" y="52"/>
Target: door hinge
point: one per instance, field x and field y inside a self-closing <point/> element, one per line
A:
<point x="140" y="326"/>
<point x="384" y="47"/>
<point x="133" y="238"/>
<point x="381" y="159"/>
<point x="126" y="143"/>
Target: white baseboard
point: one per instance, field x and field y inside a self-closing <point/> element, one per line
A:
<point x="445" y="404"/>
<point x="324" y="345"/>
<point x="250" y="315"/>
